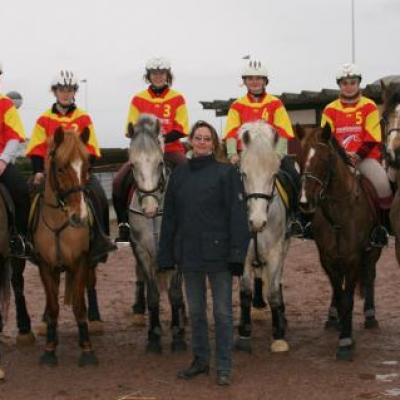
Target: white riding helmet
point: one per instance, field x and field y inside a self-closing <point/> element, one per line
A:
<point x="65" y="78"/>
<point x="254" y="68"/>
<point x="158" y="63"/>
<point x="348" y="71"/>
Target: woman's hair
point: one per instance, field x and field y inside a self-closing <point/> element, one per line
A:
<point x="218" y="150"/>
<point x="170" y="77"/>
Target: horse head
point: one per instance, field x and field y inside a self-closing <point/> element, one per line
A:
<point x="67" y="168"/>
<point x="147" y="161"/>
<point x="391" y="122"/>
<point x="259" y="166"/>
<point x="317" y="162"/>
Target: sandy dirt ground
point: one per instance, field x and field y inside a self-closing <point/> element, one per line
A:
<point x="308" y="371"/>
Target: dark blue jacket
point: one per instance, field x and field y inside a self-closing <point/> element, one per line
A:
<point x="204" y="225"/>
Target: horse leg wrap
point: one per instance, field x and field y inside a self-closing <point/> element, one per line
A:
<point x="52" y="337"/>
<point x="93" y="307"/>
<point x="258" y="300"/>
<point x="83" y="334"/>
<point x="140" y="300"/>
<point x="278" y="322"/>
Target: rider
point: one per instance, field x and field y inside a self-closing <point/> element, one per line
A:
<point x="64" y="112"/>
<point x="257" y="104"/>
<point x="354" y="120"/>
<point x="169" y="106"/>
<point x="11" y="135"/>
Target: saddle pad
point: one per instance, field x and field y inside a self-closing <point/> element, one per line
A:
<point x="282" y="192"/>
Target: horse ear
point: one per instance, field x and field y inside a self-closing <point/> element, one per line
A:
<point x="58" y="136"/>
<point x="246" y="137"/>
<point x="85" y="135"/>
<point x="383" y="85"/>
<point x="299" y="132"/>
<point x="326" y="133"/>
<point x="131" y="130"/>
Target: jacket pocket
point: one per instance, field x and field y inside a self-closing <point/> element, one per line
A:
<point x="214" y="246"/>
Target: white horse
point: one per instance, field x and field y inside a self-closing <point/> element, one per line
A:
<point x="267" y="217"/>
<point x="150" y="180"/>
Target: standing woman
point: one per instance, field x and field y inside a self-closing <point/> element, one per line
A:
<point x="204" y="232"/>
<point x="170" y="107"/>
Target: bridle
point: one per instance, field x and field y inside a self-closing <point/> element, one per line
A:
<point x="158" y="189"/>
<point x="61" y="195"/>
<point x="258" y="195"/>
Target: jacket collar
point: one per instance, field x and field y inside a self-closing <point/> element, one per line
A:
<point x="201" y="162"/>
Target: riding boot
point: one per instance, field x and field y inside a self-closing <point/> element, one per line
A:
<point x="100" y="243"/>
<point x="380" y="233"/>
<point x="294" y="227"/>
<point x="123" y="233"/>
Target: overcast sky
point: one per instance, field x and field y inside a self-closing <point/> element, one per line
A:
<point x="302" y="42"/>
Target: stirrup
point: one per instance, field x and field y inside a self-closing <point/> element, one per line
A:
<point x="379" y="237"/>
<point x="18" y="247"/>
<point x="123" y="234"/>
<point x="295" y="228"/>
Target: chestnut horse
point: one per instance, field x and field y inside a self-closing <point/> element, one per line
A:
<point x="61" y="238"/>
<point x="342" y="224"/>
<point x="391" y="130"/>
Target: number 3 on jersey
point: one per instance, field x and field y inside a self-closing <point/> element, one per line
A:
<point x="167" y="111"/>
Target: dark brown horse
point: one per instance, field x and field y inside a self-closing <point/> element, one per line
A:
<point x="342" y="225"/>
<point x="391" y="129"/>
<point x="61" y="239"/>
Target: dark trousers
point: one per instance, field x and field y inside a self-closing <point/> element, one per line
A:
<point x="196" y="294"/>
<point x="18" y="189"/>
<point x="98" y="198"/>
<point x="123" y="182"/>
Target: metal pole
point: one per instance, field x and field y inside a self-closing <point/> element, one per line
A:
<point x="353" y="42"/>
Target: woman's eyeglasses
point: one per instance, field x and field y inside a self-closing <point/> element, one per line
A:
<point x="206" y="139"/>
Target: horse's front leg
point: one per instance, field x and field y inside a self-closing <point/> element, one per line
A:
<point x="332" y="322"/>
<point x="346" y="343"/>
<point x="79" y="283"/>
<point x="175" y="295"/>
<point x="243" y="343"/>
<point x="51" y="281"/>
<point x="153" y="303"/>
<point x="272" y="277"/>
<point x="25" y="335"/>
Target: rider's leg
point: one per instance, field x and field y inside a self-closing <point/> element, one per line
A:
<point x="100" y="244"/>
<point x="374" y="171"/>
<point x="121" y="187"/>
<point x="19" y="192"/>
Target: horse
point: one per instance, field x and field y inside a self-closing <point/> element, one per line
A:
<point x="267" y="219"/>
<point x="391" y="130"/>
<point x="145" y="215"/>
<point x="5" y="273"/>
<point x="342" y="223"/>
<point x="61" y="238"/>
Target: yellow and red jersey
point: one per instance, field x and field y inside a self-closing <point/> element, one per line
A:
<point x="355" y="125"/>
<point x="169" y="106"/>
<point x="269" y="108"/>
<point x="10" y="123"/>
<point x="50" y="120"/>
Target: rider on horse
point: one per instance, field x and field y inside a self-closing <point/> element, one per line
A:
<point x="354" y="120"/>
<point x="169" y="106"/>
<point x="65" y="113"/>
<point x="256" y="105"/>
<point x="11" y="135"/>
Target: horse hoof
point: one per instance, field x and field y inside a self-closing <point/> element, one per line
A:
<point x="178" y="346"/>
<point x="138" y="320"/>
<point x="25" y="339"/>
<point x="371" y="323"/>
<point x="49" y="358"/>
<point x="279" y="346"/>
<point x="332" y="324"/>
<point x="96" y="328"/>
<point x="154" y="347"/>
<point x="41" y="330"/>
<point x="243" y="344"/>
<point x="2" y="375"/>
<point x="344" y="353"/>
<point x="258" y="314"/>
<point x="88" y="358"/>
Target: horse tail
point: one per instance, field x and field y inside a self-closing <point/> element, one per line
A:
<point x="68" y="294"/>
<point x="5" y="279"/>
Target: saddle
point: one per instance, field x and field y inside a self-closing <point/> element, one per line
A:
<point x="287" y="190"/>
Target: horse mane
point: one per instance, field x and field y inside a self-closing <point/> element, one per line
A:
<point x="391" y="98"/>
<point x="340" y="151"/>
<point x="71" y="148"/>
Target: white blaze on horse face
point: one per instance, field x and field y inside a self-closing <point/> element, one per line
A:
<point x="77" y="167"/>
<point x="310" y="155"/>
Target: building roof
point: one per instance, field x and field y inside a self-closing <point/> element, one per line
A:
<point x="307" y="99"/>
